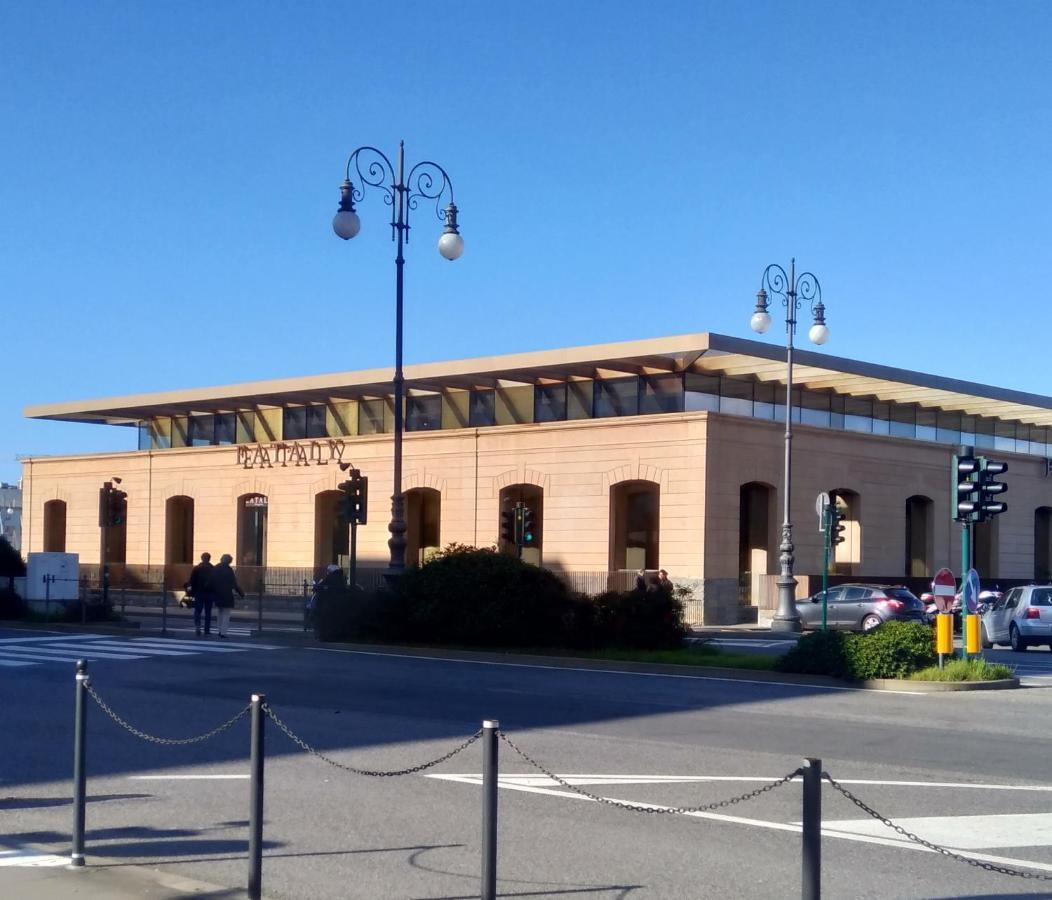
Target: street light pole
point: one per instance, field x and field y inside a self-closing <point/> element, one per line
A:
<point x="793" y="290"/>
<point x="426" y="181"/>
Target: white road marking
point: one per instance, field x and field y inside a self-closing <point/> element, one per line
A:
<point x="553" y="667"/>
<point x="226" y="645"/>
<point x="741" y="642"/>
<point x="116" y="647"/>
<point x="185" y="777"/>
<point x="43" y="654"/>
<point x="51" y="636"/>
<point x="984" y="832"/>
<point x="11" y="664"/>
<point x="31" y="858"/>
<point x="757" y="823"/>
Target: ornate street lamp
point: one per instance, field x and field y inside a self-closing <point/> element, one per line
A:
<point x="793" y="290"/>
<point x="426" y="181"/>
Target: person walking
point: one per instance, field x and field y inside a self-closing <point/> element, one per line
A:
<point x="664" y="583"/>
<point x="224" y="586"/>
<point x="200" y="588"/>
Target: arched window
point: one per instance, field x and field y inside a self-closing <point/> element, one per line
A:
<point x="757" y="543"/>
<point x="178" y="531"/>
<point x="533" y="497"/>
<point x="423" y="516"/>
<point x="920" y="539"/>
<point x="634" y="525"/>
<point x="55" y="526"/>
<point x="847" y="556"/>
<point x="252" y="530"/>
<point x="1043" y="544"/>
<point x="331" y="536"/>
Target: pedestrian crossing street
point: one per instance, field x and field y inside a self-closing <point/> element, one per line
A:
<point x="19" y="652"/>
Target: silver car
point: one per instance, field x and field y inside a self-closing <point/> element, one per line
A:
<point x="861" y="607"/>
<point x="1022" y="617"/>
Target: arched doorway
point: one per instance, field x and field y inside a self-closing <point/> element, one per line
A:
<point x="252" y="530"/>
<point x="178" y="530"/>
<point x="920" y="539"/>
<point x="847" y="556"/>
<point x="634" y="525"/>
<point x="423" y="515"/>
<point x="1043" y="544"/>
<point x="533" y="497"/>
<point x="756" y="538"/>
<point x="55" y="526"/>
<point x="986" y="540"/>
<point x="331" y="536"/>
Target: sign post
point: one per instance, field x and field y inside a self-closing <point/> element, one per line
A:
<point x="822" y="508"/>
<point x="942" y="588"/>
<point x="970" y="612"/>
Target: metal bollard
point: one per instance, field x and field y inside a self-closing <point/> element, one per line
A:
<point x="79" y="775"/>
<point x="255" y="802"/>
<point x="812" y="830"/>
<point x="490" y="728"/>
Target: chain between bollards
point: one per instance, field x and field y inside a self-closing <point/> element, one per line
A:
<point x="490" y="735"/>
<point x="79" y="774"/>
<point x="255" y="801"/>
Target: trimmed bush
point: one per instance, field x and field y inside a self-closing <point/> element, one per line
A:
<point x="651" y="620"/>
<point x="11" y="605"/>
<point x="894" y="650"/>
<point x="818" y="653"/>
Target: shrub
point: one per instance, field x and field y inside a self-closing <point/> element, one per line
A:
<point x="650" y="620"/>
<point x="11" y="605"/>
<point x="11" y="563"/>
<point x="356" y="614"/>
<point x="818" y="653"/>
<point x="964" y="670"/>
<point x="894" y="650"/>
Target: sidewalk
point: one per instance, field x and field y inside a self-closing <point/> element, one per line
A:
<point x="30" y="874"/>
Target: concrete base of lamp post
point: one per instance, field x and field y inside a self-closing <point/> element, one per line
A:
<point x="786" y="618"/>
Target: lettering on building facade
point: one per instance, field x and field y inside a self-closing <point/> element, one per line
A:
<point x="296" y="453"/>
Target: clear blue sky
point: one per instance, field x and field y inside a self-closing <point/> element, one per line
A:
<point x="170" y="171"/>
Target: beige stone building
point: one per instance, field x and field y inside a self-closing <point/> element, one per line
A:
<point x="655" y="453"/>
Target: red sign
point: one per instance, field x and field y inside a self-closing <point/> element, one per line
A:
<point x="944" y="586"/>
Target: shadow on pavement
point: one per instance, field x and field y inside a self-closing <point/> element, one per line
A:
<point x="43" y="802"/>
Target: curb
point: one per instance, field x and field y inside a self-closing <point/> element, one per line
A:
<point x="939" y="687"/>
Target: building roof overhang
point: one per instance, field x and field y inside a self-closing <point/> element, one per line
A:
<point x="701" y="352"/>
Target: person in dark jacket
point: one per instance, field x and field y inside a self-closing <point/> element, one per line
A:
<point x="224" y="586"/>
<point x="200" y="588"/>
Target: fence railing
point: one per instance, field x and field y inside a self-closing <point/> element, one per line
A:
<point x="811" y="776"/>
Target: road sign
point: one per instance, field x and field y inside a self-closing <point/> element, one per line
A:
<point x="821" y="502"/>
<point x="943" y="587"/>
<point x="971" y="590"/>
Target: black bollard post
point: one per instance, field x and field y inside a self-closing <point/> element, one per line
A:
<point x="490" y="729"/>
<point x="812" y="830"/>
<point x="255" y="803"/>
<point x="79" y="775"/>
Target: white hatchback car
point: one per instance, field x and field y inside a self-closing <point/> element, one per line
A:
<point x="1022" y="617"/>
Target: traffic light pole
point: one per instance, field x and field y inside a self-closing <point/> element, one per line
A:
<point x="966" y="555"/>
<point x="105" y="565"/>
<point x="826" y="517"/>
<point x="354" y="552"/>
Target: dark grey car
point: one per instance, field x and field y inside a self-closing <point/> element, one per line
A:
<point x="861" y="607"/>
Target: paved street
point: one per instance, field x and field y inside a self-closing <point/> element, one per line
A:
<point x="968" y="770"/>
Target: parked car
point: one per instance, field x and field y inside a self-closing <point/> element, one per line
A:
<point x="1021" y="618"/>
<point x="861" y="607"/>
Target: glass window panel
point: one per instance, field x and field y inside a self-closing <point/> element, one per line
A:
<point x="579" y="399"/>
<point x="341" y="418"/>
<point x="1043" y="437"/>
<point x="702" y="392"/>
<point x="202" y="431"/>
<point x="984" y="433"/>
<point x="815" y="409"/>
<point x="948" y="427"/>
<point x="161" y="432"/>
<point x="967" y="430"/>
<point x="881" y="417"/>
<point x="225" y="428"/>
<point x="316" y="421"/>
<point x="925" y="424"/>
<point x="763" y="401"/>
<point x="1004" y="436"/>
<point x="145" y="436"/>
<point x="423" y="412"/>
<point x="616" y="397"/>
<point x="661" y="394"/>
<point x="481" y="409"/>
<point x="246" y="427"/>
<point x="294" y="423"/>
<point x="903" y="420"/>
<point x="836" y="411"/>
<point x="736" y="396"/>
<point x="180" y="427"/>
<point x="371" y="417"/>
<point x="779" y="404"/>
<point x="549" y="403"/>
<point x="858" y="414"/>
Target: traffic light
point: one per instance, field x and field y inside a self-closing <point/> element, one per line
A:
<point x="118" y="507"/>
<point x="507" y="526"/>
<point x="104" y="504"/>
<point x="965" y="487"/>
<point x="529" y="535"/>
<point x="353" y="505"/>
<point x="836" y="523"/>
<point x="988" y="487"/>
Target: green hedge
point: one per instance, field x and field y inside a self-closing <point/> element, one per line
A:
<point x="11" y="605"/>
<point x="895" y="650"/>
<point x="467" y="596"/>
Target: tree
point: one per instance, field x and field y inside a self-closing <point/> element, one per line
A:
<point x="12" y="565"/>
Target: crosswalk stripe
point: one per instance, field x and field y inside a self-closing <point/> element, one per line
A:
<point x="11" y="664"/>
<point x="53" y="636"/>
<point x="44" y="655"/>
<point x="201" y="647"/>
<point x="122" y="648"/>
<point x="227" y="644"/>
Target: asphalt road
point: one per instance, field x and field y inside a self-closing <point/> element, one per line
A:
<point x="970" y="770"/>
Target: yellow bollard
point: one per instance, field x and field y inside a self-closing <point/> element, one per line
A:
<point x="973" y="635"/>
<point x="944" y="634"/>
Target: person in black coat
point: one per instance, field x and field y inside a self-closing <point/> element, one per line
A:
<point x="224" y="586"/>
<point x="200" y="588"/>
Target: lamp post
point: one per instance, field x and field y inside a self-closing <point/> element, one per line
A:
<point x="425" y="181"/>
<point x="793" y="290"/>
